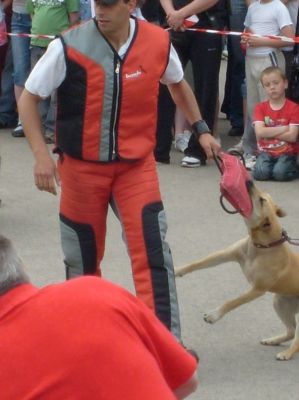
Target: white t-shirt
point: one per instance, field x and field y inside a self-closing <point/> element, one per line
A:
<point x="50" y="70"/>
<point x="266" y="19"/>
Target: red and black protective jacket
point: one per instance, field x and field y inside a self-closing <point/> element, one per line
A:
<point x="107" y="106"/>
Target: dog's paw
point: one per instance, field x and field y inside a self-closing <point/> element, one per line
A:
<point x="212" y="316"/>
<point x="284" y="355"/>
<point x="179" y="272"/>
<point x="270" y="342"/>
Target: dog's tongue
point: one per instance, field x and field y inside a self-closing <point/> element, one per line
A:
<point x="235" y="183"/>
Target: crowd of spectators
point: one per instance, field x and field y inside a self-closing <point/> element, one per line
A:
<point x="201" y="50"/>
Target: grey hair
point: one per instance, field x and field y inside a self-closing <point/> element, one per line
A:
<point x="11" y="267"/>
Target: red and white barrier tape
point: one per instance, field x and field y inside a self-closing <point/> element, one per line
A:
<point x="294" y="39"/>
<point x="189" y="24"/>
<point x="191" y="21"/>
<point x="27" y="35"/>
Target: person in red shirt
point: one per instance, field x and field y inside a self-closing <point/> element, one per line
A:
<point x="84" y="339"/>
<point x="276" y="124"/>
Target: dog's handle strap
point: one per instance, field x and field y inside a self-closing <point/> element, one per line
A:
<point x="224" y="206"/>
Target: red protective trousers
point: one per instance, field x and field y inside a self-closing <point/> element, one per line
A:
<point x="132" y="189"/>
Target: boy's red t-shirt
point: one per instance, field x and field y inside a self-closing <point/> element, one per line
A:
<point x="287" y="115"/>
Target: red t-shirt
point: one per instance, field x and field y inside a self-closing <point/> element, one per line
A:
<point x="287" y="115"/>
<point x="86" y="339"/>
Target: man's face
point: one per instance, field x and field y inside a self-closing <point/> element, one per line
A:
<point x="113" y="17"/>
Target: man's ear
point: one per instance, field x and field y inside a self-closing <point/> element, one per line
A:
<point x="132" y="4"/>
<point x="280" y="212"/>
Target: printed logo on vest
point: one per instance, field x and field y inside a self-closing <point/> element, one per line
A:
<point x="135" y="75"/>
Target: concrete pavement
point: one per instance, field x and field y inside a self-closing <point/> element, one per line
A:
<point x="233" y="365"/>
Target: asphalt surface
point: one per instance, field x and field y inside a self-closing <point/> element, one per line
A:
<point x="233" y="365"/>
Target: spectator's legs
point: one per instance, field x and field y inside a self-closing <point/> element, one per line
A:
<point x="8" y="115"/>
<point x="263" y="168"/>
<point x="20" y="23"/>
<point x="286" y="169"/>
<point x="205" y="58"/>
<point x="237" y="74"/>
<point x="166" y="109"/>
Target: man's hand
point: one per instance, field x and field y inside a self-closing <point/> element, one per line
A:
<point x="175" y="20"/>
<point x="209" y="144"/>
<point x="46" y="176"/>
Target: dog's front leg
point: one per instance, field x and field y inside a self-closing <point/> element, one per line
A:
<point x="214" y="315"/>
<point x="230" y="253"/>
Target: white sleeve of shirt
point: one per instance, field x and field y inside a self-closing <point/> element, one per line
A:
<point x="174" y="72"/>
<point x="284" y="18"/>
<point x="49" y="72"/>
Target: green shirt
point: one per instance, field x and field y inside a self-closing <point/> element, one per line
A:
<point x="50" y="17"/>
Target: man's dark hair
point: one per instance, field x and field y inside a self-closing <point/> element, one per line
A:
<point x="11" y="267"/>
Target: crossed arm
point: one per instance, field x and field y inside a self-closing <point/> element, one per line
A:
<point x="288" y="133"/>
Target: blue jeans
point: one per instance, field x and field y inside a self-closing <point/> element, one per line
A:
<point x="283" y="168"/>
<point x="85" y="10"/>
<point x="20" y="23"/>
<point x="8" y="115"/>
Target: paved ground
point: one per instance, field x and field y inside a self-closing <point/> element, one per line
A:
<point x="234" y="366"/>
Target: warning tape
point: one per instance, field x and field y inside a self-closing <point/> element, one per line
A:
<point x="188" y="23"/>
<point x="294" y="39"/>
<point x="27" y="35"/>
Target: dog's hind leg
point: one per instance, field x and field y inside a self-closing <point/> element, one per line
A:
<point x="294" y="348"/>
<point x="286" y="308"/>
<point x="231" y="253"/>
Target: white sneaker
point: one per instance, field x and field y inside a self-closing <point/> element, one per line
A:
<point x="18" y="131"/>
<point x="237" y="147"/>
<point x="190" y="162"/>
<point x="181" y="141"/>
<point x="250" y="161"/>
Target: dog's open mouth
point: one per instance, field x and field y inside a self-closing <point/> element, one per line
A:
<point x="266" y="224"/>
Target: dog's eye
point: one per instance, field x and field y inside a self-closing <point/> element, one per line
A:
<point x="262" y="200"/>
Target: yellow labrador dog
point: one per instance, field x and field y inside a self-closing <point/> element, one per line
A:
<point x="269" y="265"/>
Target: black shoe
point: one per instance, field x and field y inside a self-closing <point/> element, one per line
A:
<point x="162" y="160"/>
<point x="193" y="353"/>
<point x="236" y="131"/>
<point x="18" y="131"/>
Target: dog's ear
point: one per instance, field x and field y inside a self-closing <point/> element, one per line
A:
<point x="280" y="212"/>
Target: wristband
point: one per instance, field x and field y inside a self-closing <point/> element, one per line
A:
<point x="200" y="127"/>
